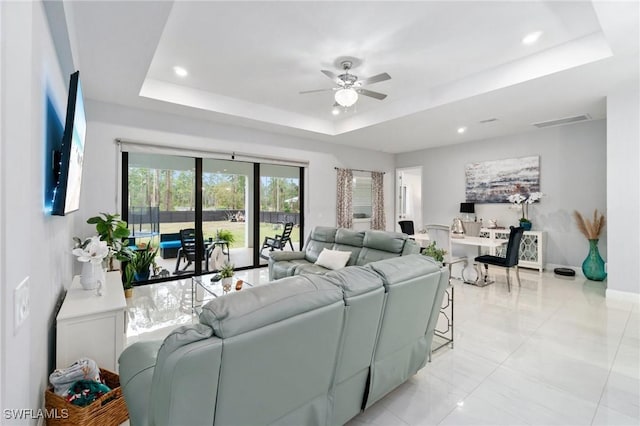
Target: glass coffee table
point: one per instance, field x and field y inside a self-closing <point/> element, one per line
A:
<point x="203" y="289"/>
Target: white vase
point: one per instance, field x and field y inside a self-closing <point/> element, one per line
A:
<point x="92" y="275"/>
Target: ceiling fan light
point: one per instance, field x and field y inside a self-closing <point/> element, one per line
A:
<point x="346" y="97"/>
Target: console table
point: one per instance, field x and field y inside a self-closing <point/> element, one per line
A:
<point x="92" y="326"/>
<point x="531" y="246"/>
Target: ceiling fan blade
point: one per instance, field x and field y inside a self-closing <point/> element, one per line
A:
<point x="329" y="74"/>
<point x="304" y="92"/>
<point x="375" y="79"/>
<point x="372" y="94"/>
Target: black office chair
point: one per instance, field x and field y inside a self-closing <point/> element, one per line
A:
<point x="407" y="227"/>
<point x="511" y="258"/>
<point x="279" y="241"/>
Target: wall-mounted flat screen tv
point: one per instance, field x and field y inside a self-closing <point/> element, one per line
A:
<point x="68" y="161"/>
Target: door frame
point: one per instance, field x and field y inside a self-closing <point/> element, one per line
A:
<point x="401" y="191"/>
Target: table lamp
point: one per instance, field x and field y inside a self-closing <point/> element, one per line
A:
<point x="467" y="208"/>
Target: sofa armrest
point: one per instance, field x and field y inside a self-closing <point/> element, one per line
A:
<point x="279" y="256"/>
<point x="136" y="366"/>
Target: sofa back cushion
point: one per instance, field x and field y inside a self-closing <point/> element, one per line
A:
<point x="380" y="245"/>
<point x="321" y="237"/>
<point x="349" y="240"/>
<point x="414" y="285"/>
<point x="239" y="312"/>
<point x="280" y="347"/>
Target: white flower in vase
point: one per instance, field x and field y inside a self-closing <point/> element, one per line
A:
<point x="91" y="250"/>
<point x="523" y="201"/>
<point x="91" y="253"/>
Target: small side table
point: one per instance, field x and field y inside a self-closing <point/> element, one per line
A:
<point x="223" y="244"/>
<point x="446" y="312"/>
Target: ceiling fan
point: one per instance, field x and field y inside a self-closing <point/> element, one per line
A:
<point x="349" y="86"/>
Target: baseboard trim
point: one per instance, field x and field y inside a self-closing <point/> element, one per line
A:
<point x="625" y="296"/>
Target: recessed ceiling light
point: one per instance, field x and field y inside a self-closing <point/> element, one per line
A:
<point x="531" y="38"/>
<point x="462" y="130"/>
<point x="180" y="72"/>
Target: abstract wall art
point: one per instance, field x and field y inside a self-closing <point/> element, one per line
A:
<point x="493" y="181"/>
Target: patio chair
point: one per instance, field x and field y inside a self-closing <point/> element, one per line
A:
<point x="187" y="250"/>
<point x="279" y="241"/>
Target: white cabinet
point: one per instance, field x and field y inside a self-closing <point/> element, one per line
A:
<point x="92" y="326"/>
<point x="531" y="246"/>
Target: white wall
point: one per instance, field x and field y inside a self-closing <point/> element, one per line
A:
<point x="34" y="245"/>
<point x="572" y="175"/>
<point x="623" y="189"/>
<point x="108" y="122"/>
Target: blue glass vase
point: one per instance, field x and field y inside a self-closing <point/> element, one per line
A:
<point x="593" y="265"/>
<point x="526" y="226"/>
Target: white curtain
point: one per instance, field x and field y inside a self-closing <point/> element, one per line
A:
<point x="378" y="220"/>
<point x="344" y="202"/>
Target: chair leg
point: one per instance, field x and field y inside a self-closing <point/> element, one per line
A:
<point x="178" y="257"/>
<point x="486" y="272"/>
<point x="518" y="275"/>
<point x="291" y="244"/>
<point x="508" y="281"/>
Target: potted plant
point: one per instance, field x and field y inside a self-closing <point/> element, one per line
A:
<point x="114" y="232"/>
<point x="141" y="262"/>
<point x="523" y="202"/>
<point x="225" y="235"/>
<point x="127" y="283"/>
<point x="436" y="253"/>
<point x="226" y="273"/>
<point x="91" y="252"/>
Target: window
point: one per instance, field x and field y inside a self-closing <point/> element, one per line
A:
<point x="362" y="197"/>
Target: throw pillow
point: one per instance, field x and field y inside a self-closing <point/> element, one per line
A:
<point x="333" y="259"/>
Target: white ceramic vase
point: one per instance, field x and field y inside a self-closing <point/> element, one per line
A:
<point x="91" y="276"/>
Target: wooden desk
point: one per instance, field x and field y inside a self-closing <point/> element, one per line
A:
<point x="421" y="239"/>
<point x="471" y="274"/>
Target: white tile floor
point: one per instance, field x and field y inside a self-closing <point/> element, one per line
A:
<point x="553" y="352"/>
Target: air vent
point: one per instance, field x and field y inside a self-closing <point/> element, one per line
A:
<point x="488" y="120"/>
<point x="561" y="121"/>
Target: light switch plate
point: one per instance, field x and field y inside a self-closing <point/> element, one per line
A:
<point x="21" y="304"/>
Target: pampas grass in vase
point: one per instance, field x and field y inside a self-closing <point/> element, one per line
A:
<point x="593" y="265"/>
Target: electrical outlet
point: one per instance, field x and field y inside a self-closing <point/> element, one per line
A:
<point x="21" y="304"/>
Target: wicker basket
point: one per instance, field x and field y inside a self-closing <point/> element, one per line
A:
<point x="108" y="410"/>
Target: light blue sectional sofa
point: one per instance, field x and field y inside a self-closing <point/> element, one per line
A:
<point x="308" y="349"/>
<point x="365" y="247"/>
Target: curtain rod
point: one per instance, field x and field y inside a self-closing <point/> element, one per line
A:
<point x="234" y="155"/>
<point x="360" y="170"/>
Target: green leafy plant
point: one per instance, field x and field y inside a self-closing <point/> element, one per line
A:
<point x="432" y="251"/>
<point x="225" y="235"/>
<point x="114" y="232"/>
<point x="129" y="272"/>
<point x="141" y="260"/>
<point x="227" y="270"/>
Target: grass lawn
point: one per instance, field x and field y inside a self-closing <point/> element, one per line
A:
<point x="237" y="229"/>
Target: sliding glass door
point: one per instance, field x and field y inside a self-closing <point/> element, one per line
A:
<point x="160" y="202"/>
<point x="230" y="206"/>
<point x="280" y="200"/>
<point x="227" y="208"/>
